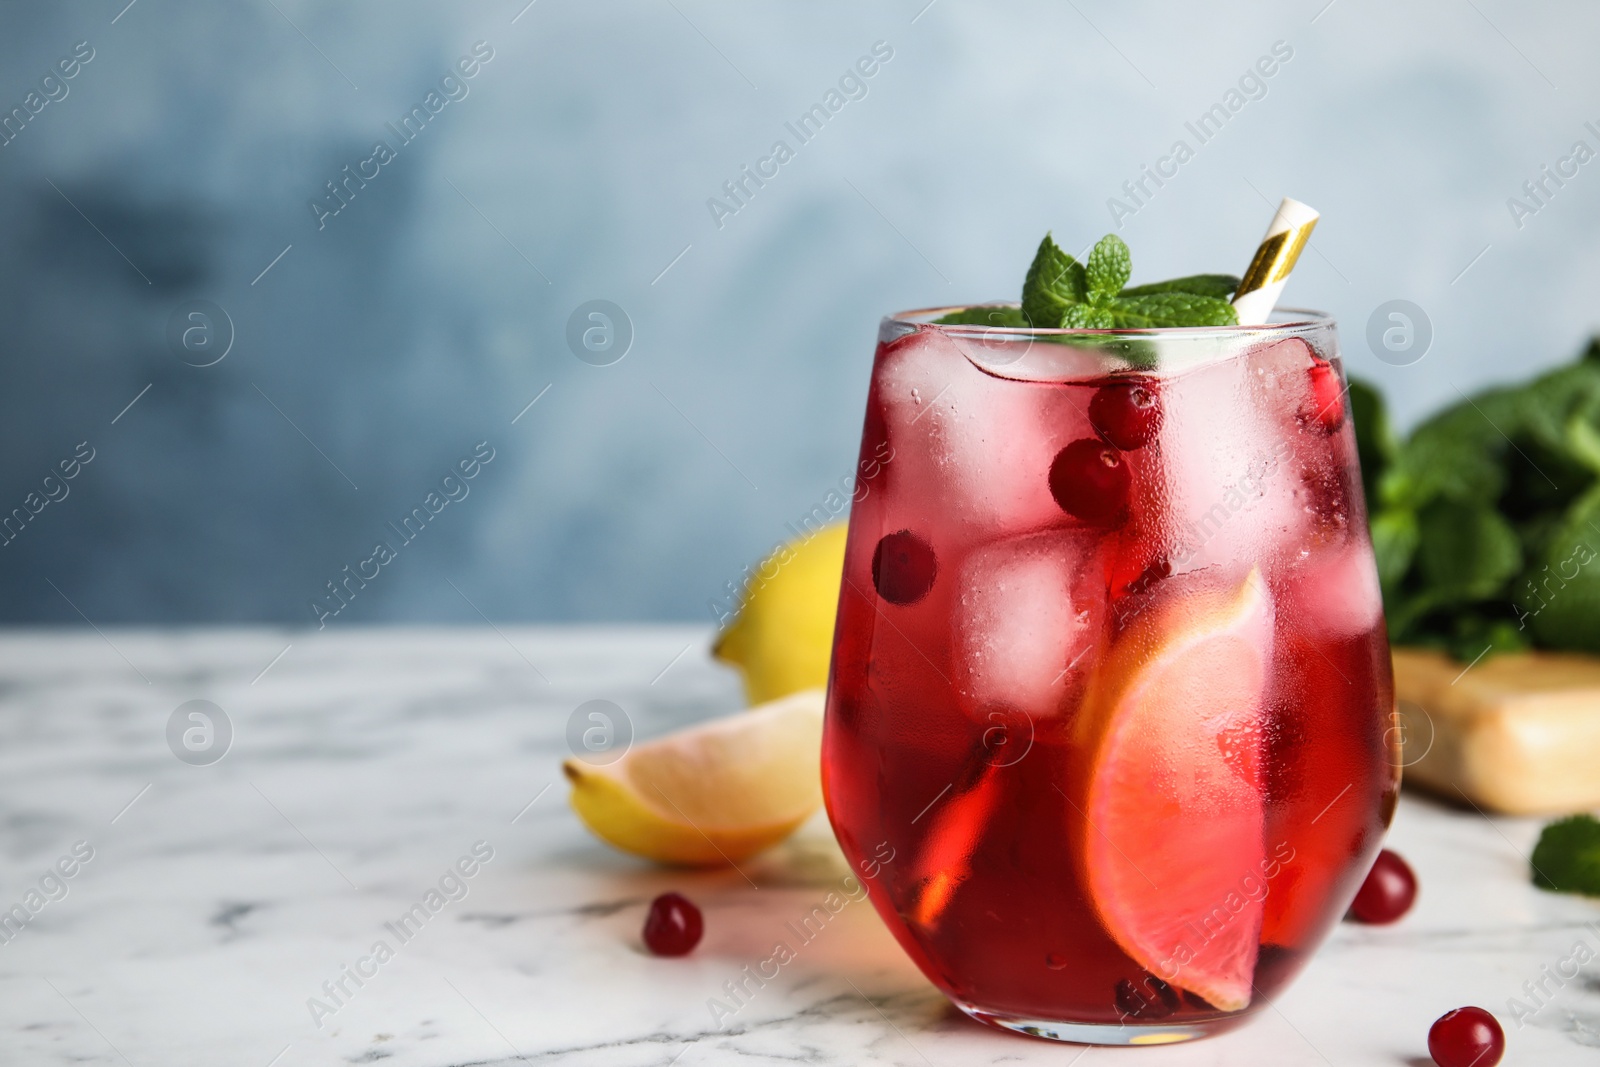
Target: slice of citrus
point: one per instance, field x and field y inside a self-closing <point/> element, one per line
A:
<point x="1173" y="795"/>
<point x="714" y="793"/>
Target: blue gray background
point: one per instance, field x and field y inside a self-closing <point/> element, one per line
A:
<point x="423" y="318"/>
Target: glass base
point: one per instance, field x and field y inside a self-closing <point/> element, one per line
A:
<point x="1135" y="1034"/>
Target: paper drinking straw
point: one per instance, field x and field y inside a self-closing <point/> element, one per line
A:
<point x="1275" y="258"/>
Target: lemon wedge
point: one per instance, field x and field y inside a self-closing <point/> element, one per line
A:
<point x="1175" y="802"/>
<point x="714" y="793"/>
<point x="782" y="638"/>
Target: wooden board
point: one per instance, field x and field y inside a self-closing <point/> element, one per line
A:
<point x="1516" y="733"/>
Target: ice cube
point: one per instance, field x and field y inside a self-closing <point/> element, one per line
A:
<point x="1334" y="590"/>
<point x="1281" y="381"/>
<point x="1233" y="471"/>
<point x="1029" y="612"/>
<point x="915" y="389"/>
<point x="913" y="379"/>
<point x="1301" y="395"/>
<point x="984" y="444"/>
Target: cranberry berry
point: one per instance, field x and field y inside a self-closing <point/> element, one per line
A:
<point x="673" y="925"/>
<point x="1388" y="892"/>
<point x="1327" y="393"/>
<point x="1466" y="1037"/>
<point x="1090" y="480"/>
<point x="1156" y="1000"/>
<point x="1126" y="413"/>
<point x="903" y="567"/>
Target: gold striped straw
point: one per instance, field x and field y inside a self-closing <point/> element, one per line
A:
<point x="1269" y="271"/>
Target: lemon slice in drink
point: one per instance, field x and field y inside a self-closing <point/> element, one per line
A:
<point x="714" y="793"/>
<point x="1173" y="797"/>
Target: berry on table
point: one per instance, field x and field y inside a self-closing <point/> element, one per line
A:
<point x="1466" y="1037"/>
<point x="673" y="925"/>
<point x="1388" y="892"/>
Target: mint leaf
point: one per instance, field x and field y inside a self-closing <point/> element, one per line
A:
<point x="1471" y="551"/>
<point x="1055" y="280"/>
<point x="1110" y="263"/>
<point x="1394" y="543"/>
<point x="1087" y="317"/>
<point x="1220" y="286"/>
<point x="1172" y="309"/>
<point x="1455" y="454"/>
<point x="1558" y="596"/>
<point x="1464" y="554"/>
<point x="1567" y="857"/>
<point x="998" y="316"/>
<point x="1583" y="438"/>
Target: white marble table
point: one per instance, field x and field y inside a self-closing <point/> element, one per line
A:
<point x="220" y="898"/>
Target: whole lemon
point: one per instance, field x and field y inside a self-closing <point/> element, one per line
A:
<point x="781" y="639"/>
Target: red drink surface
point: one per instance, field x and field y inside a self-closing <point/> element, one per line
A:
<point x="955" y="738"/>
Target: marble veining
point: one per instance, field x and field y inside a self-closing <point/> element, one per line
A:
<point x="220" y="899"/>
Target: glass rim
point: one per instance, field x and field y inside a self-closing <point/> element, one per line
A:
<point x="1291" y="320"/>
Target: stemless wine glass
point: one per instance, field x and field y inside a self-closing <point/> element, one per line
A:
<point x="1109" y="721"/>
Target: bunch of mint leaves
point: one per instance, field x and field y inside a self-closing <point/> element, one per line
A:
<point x="1486" y="518"/>
<point x="1061" y="293"/>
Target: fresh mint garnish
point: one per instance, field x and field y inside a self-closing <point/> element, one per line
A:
<point x="1567" y="857"/>
<point x="1110" y="305"/>
<point x="1061" y="293"/>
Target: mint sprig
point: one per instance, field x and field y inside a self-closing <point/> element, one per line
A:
<point x="1061" y="293"/>
<point x="1103" y="302"/>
